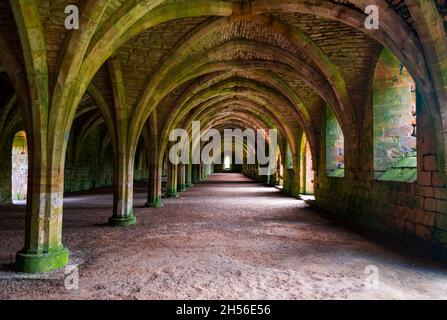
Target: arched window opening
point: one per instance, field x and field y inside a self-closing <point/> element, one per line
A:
<point x="394" y="121"/>
<point x="306" y="171"/>
<point x="19" y="168"/>
<point x="335" y="146"/>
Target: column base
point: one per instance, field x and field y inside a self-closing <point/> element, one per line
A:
<point x="157" y="204"/>
<point x="172" y="195"/>
<point x="189" y="185"/>
<point x="36" y="262"/>
<point x="182" y="188"/>
<point x="154" y="202"/>
<point x="122" y="222"/>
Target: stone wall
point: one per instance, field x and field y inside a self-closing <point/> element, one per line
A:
<point x="414" y="213"/>
<point x="88" y="169"/>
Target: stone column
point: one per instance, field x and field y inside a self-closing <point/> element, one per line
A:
<point x="124" y="155"/>
<point x="123" y="192"/>
<point x="155" y="173"/>
<point x="287" y="179"/>
<point x="201" y="172"/>
<point x="205" y="171"/>
<point x="154" y="190"/>
<point x="272" y="180"/>
<point x="181" y="176"/>
<point x="195" y="173"/>
<point x="172" y="181"/>
<point x="208" y="170"/>
<point x="43" y="250"/>
<point x="189" y="176"/>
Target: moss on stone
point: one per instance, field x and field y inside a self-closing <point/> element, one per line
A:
<point x="337" y="173"/>
<point x="44" y="261"/>
<point x="404" y="170"/>
<point x="123" y="221"/>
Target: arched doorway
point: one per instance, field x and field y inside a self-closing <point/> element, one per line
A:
<point x="279" y="169"/>
<point x="227" y="163"/>
<point x="307" y="173"/>
<point x="19" y="174"/>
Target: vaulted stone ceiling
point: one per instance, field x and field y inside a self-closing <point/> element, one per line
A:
<point x="249" y="41"/>
<point x="257" y="41"/>
<point x="351" y="50"/>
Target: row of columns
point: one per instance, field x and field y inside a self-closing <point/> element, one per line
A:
<point x="179" y="178"/>
<point x="291" y="178"/>
<point x="252" y="171"/>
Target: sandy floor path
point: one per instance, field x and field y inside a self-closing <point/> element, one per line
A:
<point x="226" y="238"/>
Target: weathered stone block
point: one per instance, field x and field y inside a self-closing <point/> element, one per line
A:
<point x="439" y="180"/>
<point x="430" y="204"/>
<point x="430" y="162"/>
<point x="422" y="231"/>
<point x="440" y="193"/>
<point x="417" y="216"/>
<point x="402" y="212"/>
<point x="409" y="227"/>
<point x="441" y="206"/>
<point x="424" y="178"/>
<point x="441" y="221"/>
<point x="429" y="219"/>
<point x="427" y="192"/>
<point x="441" y="236"/>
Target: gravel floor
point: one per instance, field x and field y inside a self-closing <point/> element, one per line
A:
<point x="226" y="238"/>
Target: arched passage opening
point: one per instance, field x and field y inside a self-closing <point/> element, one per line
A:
<point x="306" y="172"/>
<point x="227" y="163"/>
<point x="279" y="169"/>
<point x="19" y="176"/>
<point x="335" y="146"/>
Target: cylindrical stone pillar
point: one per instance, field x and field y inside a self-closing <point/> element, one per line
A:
<point x="172" y="181"/>
<point x="154" y="190"/>
<point x="188" y="178"/>
<point x="181" y="178"/>
<point x="195" y="173"/>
